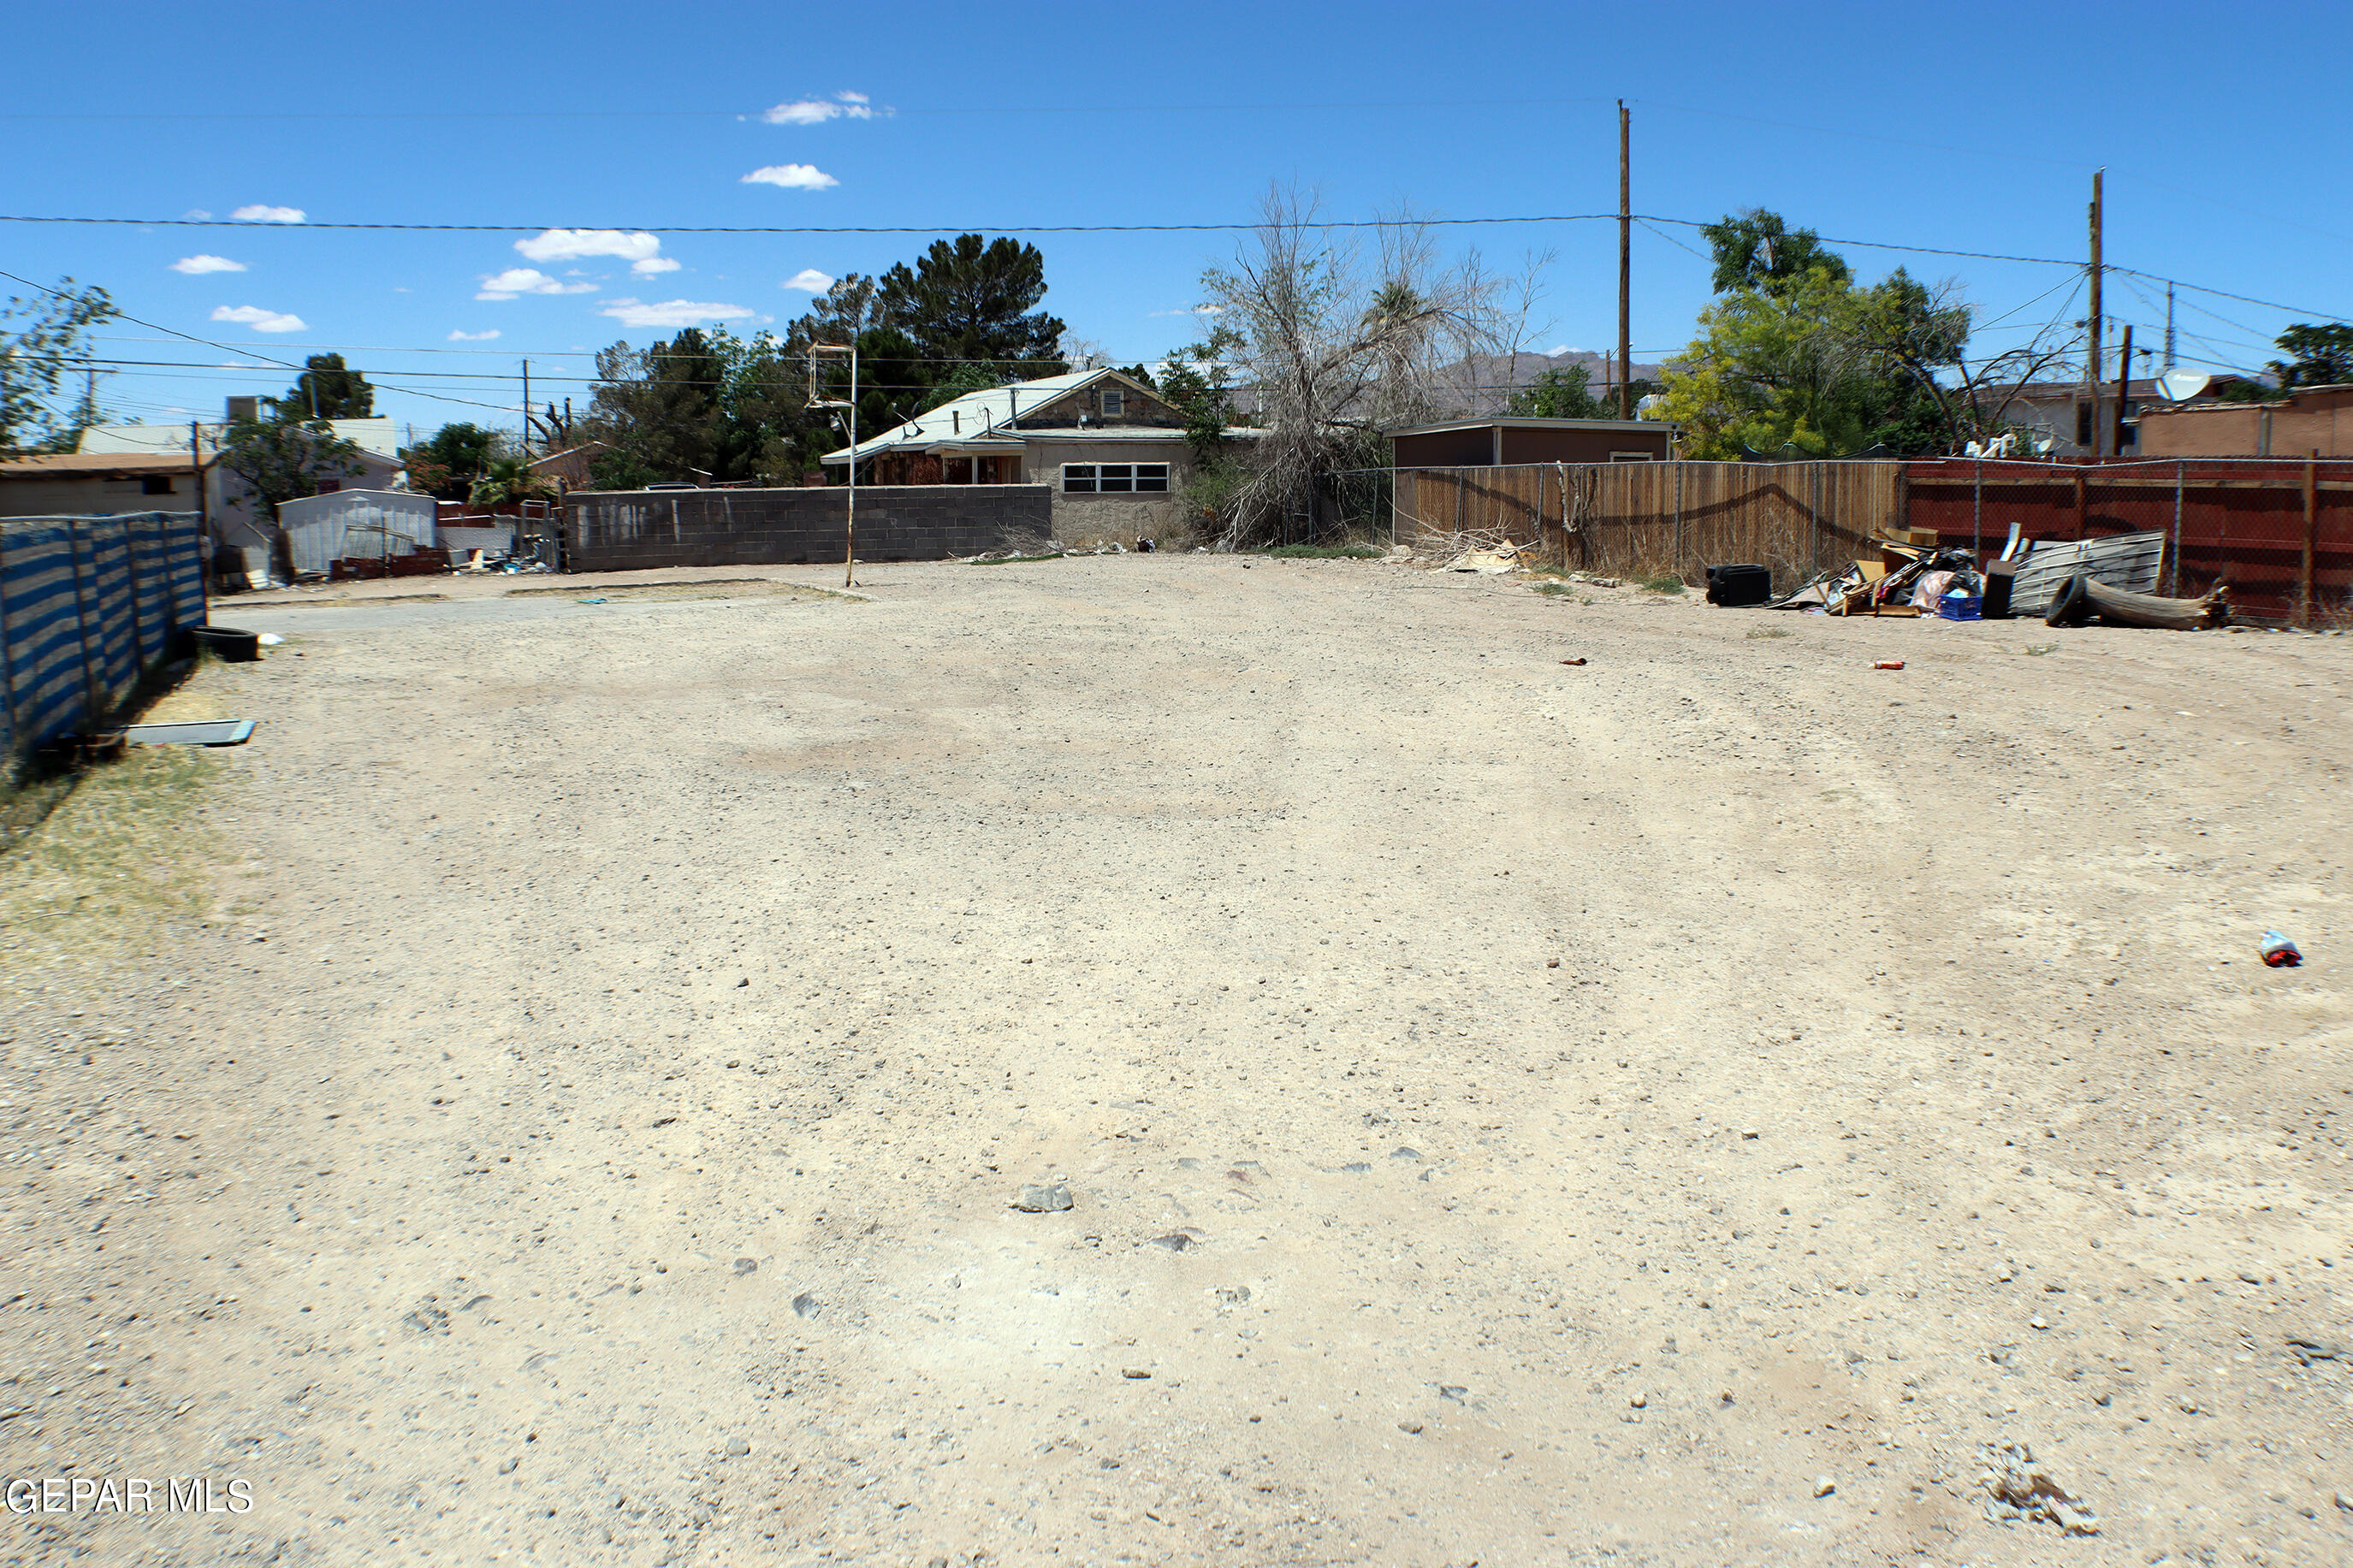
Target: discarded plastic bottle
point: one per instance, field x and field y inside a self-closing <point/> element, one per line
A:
<point x="2279" y="952"/>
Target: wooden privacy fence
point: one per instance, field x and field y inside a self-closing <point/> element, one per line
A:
<point x="89" y="604"/>
<point x="2278" y="533"/>
<point x="1641" y="518"/>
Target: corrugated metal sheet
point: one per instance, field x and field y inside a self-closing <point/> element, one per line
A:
<point x="316" y="526"/>
<point x="87" y="604"/>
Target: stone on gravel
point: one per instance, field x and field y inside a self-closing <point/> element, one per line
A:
<point x="806" y="1305"/>
<point x="1052" y="1198"/>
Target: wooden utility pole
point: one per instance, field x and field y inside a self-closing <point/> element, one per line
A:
<point x="2124" y="387"/>
<point x="1625" y="264"/>
<point x="526" y="411"/>
<point x="2092" y="356"/>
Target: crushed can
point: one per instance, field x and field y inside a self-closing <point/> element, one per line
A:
<point x="2279" y="952"/>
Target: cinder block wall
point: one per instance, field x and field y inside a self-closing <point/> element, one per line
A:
<point x="623" y="530"/>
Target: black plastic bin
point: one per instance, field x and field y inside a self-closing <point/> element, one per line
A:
<point x="1739" y="584"/>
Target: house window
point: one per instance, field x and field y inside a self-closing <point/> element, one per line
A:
<point x="1115" y="478"/>
<point x="1633" y="456"/>
<point x="1114" y="402"/>
<point x="155" y="485"/>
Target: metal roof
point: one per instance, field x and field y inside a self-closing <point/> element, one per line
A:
<point x="380" y="437"/>
<point x="1511" y="422"/>
<point x="95" y="465"/>
<point x="974" y="414"/>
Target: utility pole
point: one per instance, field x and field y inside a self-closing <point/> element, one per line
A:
<point x="1625" y="262"/>
<point x="526" y="411"/>
<point x="2091" y="358"/>
<point x="2124" y="387"/>
<point x="2168" y="327"/>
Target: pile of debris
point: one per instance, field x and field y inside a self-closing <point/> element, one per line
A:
<point x="2067" y="584"/>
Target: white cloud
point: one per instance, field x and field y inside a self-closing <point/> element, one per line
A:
<point x="672" y="313"/>
<point x="464" y="337"/>
<point x="259" y="319"/>
<point x="792" y="177"/>
<point x="194" y="265"/>
<point x="1194" y="311"/>
<point x="197" y="215"/>
<point x="817" y="111"/>
<point x="572" y="244"/>
<point x="261" y="213"/>
<point x="517" y="280"/>
<point x="809" y="278"/>
<point x="653" y="264"/>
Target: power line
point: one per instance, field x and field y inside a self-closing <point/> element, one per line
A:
<point x="891" y="113"/>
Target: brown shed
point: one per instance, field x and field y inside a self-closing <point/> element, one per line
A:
<point x="1502" y="441"/>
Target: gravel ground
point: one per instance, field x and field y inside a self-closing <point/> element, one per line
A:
<point x="1690" y="1107"/>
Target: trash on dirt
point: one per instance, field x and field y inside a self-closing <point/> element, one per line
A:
<point x="229" y="643"/>
<point x="2307" y="1352"/>
<point x="1572" y="661"/>
<point x="1491" y="563"/>
<point x="1145" y="547"/>
<point x="587" y="601"/>
<point x="2015" y="1490"/>
<point x="271" y="639"/>
<point x="2130" y="562"/>
<point x="1739" y="584"/>
<point x="2080" y="598"/>
<point x="2279" y="952"/>
<point x="206" y="732"/>
<point x="1050" y="1198"/>
<point x="1888" y="664"/>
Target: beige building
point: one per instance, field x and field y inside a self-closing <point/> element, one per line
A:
<point x="93" y="484"/>
<point x="1112" y="451"/>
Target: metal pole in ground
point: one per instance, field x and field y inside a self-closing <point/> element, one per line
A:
<point x="2173" y="571"/>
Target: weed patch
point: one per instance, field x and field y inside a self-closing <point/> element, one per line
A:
<point x="1757" y="634"/>
<point x="115" y="861"/>
<point x="1322" y="552"/>
<point x="1664" y="583"/>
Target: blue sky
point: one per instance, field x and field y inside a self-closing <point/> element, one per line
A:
<point x="1906" y="125"/>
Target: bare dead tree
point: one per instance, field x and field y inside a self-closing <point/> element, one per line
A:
<point x="1344" y="344"/>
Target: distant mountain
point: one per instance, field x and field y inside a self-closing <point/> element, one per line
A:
<point x="1484" y="383"/>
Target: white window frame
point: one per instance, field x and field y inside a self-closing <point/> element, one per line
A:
<point x="1115" y="478"/>
<point x="1633" y="456"/>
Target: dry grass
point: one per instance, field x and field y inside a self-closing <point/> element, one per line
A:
<point x="118" y="860"/>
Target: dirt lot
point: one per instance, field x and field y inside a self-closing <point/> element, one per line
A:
<point x="1682" y="1108"/>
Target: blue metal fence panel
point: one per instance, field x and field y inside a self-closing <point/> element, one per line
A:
<point x="86" y="605"/>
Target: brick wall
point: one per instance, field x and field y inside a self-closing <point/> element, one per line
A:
<point x="621" y="530"/>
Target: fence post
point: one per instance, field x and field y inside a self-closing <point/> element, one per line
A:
<point x="2173" y="571"/>
<point x="81" y="623"/>
<point x="2311" y="537"/>
<point x="1977" y="511"/>
<point x="1679" y="519"/>
<point x="7" y="652"/>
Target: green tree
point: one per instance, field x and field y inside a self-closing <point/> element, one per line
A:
<point x="970" y="299"/>
<point x="1756" y="249"/>
<point x="327" y="389"/>
<point x="506" y="479"/>
<point x="1819" y="366"/>
<point x="43" y="338"/>
<point x="284" y="462"/>
<point x="2321" y="357"/>
<point x="447" y="462"/>
<point x="1195" y="382"/>
<point x="1562" y="393"/>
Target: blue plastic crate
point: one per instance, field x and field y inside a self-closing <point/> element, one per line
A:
<point x="1965" y="607"/>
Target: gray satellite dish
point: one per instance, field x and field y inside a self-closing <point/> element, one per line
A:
<point x="2180" y="384"/>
